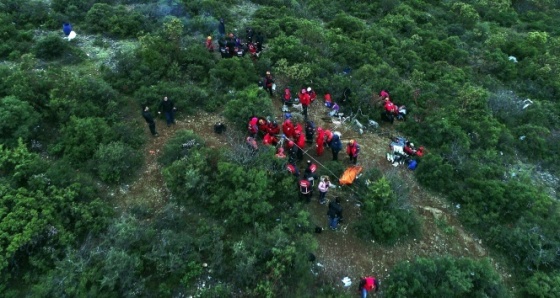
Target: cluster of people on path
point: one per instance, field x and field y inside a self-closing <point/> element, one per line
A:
<point x="232" y="45"/>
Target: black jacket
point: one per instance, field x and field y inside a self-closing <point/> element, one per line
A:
<point x="335" y="210"/>
<point x="166" y="105"/>
<point x="148" y="117"/>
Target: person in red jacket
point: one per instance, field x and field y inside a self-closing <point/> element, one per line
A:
<point x="300" y="143"/>
<point x="328" y="137"/>
<point x="253" y="127"/>
<point x="209" y="44"/>
<point x="263" y="125"/>
<point x="280" y="153"/>
<point x="305" y="100"/>
<point x="353" y="149"/>
<point x="288" y="128"/>
<point x="328" y="100"/>
<point x="306" y="189"/>
<point x="368" y="284"/>
<point x="320" y="141"/>
<point x="312" y="94"/>
<point x="269" y="139"/>
<point x="268" y="82"/>
<point x="273" y="128"/>
<point x="391" y="110"/>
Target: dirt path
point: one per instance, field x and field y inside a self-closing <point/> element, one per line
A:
<point x="341" y="253"/>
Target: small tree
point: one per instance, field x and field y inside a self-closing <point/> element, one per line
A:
<point x="383" y="217"/>
<point x="116" y="161"/>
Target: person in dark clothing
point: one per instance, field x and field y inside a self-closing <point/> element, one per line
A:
<point x="292" y="152"/>
<point x="334" y="213"/>
<point x="168" y="108"/>
<point x="250" y="34"/>
<point x="230" y="44"/>
<point x="336" y="146"/>
<point x="259" y="41"/>
<point x="150" y="120"/>
<point x="268" y="82"/>
<point x="309" y="131"/>
<point x="222" y="28"/>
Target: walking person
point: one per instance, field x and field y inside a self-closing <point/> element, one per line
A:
<point x="150" y="120"/>
<point x="334" y="213"/>
<point x="323" y="189"/>
<point x="168" y="108"/>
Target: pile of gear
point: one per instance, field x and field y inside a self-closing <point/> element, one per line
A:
<point x="402" y="151"/>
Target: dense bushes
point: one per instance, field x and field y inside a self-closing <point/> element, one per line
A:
<point x="444" y="277"/>
<point x="384" y="217"/>
<point x="116" y="161"/>
<point x="114" y="20"/>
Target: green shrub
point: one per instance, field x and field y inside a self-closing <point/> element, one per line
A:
<point x="174" y="149"/>
<point x="51" y="47"/>
<point x="116" y="161"/>
<point x="246" y="103"/>
<point x="541" y="284"/>
<point x="80" y="137"/>
<point x="385" y="217"/>
<point x="114" y="20"/>
<point x="17" y="120"/>
<point x="444" y="277"/>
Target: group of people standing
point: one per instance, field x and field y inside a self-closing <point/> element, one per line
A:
<point x="233" y="45"/>
<point x="167" y="107"/>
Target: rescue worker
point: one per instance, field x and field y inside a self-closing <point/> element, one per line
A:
<point x="253" y="127"/>
<point x="300" y="144"/>
<point x="288" y="97"/>
<point x="328" y="137"/>
<point x="309" y="172"/>
<point x="293" y="170"/>
<point x="209" y="44"/>
<point x="336" y="146"/>
<point x="268" y="82"/>
<point x="391" y="110"/>
<point x="273" y="128"/>
<point x="305" y="101"/>
<point x="328" y="100"/>
<point x="288" y="128"/>
<point x="252" y="143"/>
<point x="305" y="189"/>
<point x="312" y="94"/>
<point x="269" y="139"/>
<point x="280" y="153"/>
<point x="259" y="41"/>
<point x="353" y="149"/>
<point x="323" y="189"/>
<point x="320" y="141"/>
<point x="383" y="94"/>
<point x="263" y="125"/>
<point x="368" y="284"/>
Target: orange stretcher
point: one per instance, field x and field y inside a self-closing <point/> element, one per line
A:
<point x="350" y="175"/>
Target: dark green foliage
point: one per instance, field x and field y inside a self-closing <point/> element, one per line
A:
<point x="114" y="20"/>
<point x="174" y="149"/>
<point x="243" y="104"/>
<point x="80" y="137"/>
<point x="13" y="42"/>
<point x="542" y="285"/>
<point x="17" y="120"/>
<point x="444" y="277"/>
<point x="385" y="217"/>
<point x="116" y="161"/>
<point x="234" y="73"/>
<point x="53" y="46"/>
